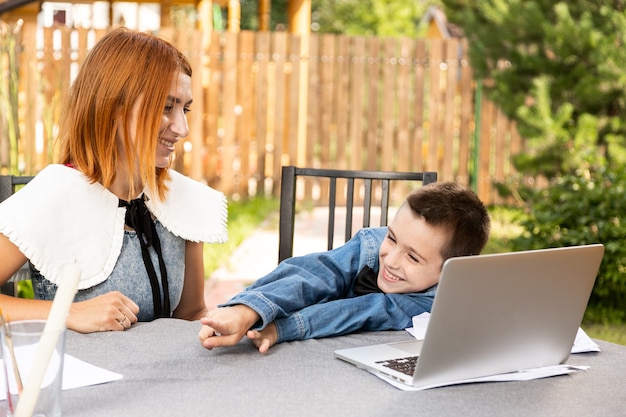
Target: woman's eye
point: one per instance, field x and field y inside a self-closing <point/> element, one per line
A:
<point x="186" y="110"/>
<point x="167" y="109"/>
<point x="393" y="239"/>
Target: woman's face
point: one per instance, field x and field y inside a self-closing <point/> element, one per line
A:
<point x="174" y="125"/>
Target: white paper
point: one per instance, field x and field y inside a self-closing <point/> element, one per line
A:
<point x="76" y="374"/>
<point x="24" y="357"/>
<point x="526" y="375"/>
<point x="582" y="343"/>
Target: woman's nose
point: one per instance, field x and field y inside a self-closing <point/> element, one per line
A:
<point x="179" y="125"/>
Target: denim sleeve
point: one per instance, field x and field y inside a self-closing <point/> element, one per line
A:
<point x="371" y="312"/>
<point x="302" y="281"/>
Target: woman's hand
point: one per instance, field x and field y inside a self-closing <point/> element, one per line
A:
<point x="108" y="312"/>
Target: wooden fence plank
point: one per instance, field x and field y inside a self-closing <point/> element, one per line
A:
<point x="484" y="153"/>
<point x="450" y="68"/>
<point x="293" y="94"/>
<point x="387" y="111"/>
<point x="404" y="65"/>
<point x="434" y="94"/>
<point x="357" y="77"/>
<point x="211" y="80"/>
<point x="263" y="61"/>
<point x="372" y="94"/>
<point x="229" y="94"/>
<point x="244" y="113"/>
<point x="417" y="150"/>
<point x="466" y="119"/>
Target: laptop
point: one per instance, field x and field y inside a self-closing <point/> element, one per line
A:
<point x="493" y="314"/>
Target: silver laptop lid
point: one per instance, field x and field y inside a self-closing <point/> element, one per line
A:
<point x="505" y="312"/>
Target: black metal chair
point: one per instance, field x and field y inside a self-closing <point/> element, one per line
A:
<point x="8" y="184"/>
<point x="369" y="180"/>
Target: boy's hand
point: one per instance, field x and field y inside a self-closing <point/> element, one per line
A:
<point x="226" y="326"/>
<point x="264" y="339"/>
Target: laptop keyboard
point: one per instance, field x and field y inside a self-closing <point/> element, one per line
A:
<point x="404" y="365"/>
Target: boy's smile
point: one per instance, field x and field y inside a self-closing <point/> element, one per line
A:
<point x="410" y="256"/>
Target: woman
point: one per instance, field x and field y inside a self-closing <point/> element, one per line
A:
<point x="113" y="206"/>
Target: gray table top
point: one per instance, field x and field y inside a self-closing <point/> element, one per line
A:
<point x="168" y="373"/>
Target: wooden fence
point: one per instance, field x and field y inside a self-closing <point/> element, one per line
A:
<point x="262" y="101"/>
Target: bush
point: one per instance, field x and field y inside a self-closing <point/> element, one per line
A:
<point x="584" y="208"/>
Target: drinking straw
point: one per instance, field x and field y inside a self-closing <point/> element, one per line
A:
<point x="51" y="332"/>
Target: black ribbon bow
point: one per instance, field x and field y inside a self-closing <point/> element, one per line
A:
<point x="365" y="282"/>
<point x="139" y="218"/>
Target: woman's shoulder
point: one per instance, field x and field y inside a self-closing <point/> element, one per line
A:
<point x="61" y="216"/>
<point x="191" y="210"/>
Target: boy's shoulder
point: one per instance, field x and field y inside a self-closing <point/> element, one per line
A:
<point x="373" y="231"/>
<point x="372" y="234"/>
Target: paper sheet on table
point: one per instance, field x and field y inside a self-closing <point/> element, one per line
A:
<point x="582" y="343"/>
<point x="76" y="374"/>
<point x="526" y="375"/>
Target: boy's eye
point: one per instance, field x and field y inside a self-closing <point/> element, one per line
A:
<point x="413" y="258"/>
<point x="393" y="239"/>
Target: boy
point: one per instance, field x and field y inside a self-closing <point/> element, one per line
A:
<point x="378" y="280"/>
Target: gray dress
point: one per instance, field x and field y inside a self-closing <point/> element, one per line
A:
<point x="129" y="275"/>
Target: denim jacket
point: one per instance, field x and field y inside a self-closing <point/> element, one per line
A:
<point x="312" y="296"/>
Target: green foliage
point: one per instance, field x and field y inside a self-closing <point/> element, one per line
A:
<point x="557" y="69"/>
<point x="583" y="208"/>
<point x="243" y="218"/>
<point x="368" y="17"/>
<point x="25" y="289"/>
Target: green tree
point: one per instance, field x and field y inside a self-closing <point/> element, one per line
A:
<point x="573" y="51"/>
<point x="348" y="17"/>
<point x="369" y="17"/>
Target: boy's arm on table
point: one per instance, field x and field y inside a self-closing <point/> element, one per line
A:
<point x="370" y="312"/>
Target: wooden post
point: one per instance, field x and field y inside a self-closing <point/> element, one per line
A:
<point x="300" y="24"/>
<point x="234" y="16"/>
<point x="265" y="12"/>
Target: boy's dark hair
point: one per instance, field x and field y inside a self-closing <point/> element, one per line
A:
<point x="457" y="209"/>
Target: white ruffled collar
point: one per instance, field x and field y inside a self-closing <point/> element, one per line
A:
<point x="60" y="217"/>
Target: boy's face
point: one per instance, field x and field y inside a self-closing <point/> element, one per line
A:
<point x="410" y="255"/>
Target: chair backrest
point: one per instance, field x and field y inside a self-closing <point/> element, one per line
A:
<point x="8" y="183"/>
<point x="369" y="180"/>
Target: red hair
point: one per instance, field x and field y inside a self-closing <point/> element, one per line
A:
<point x="123" y="67"/>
